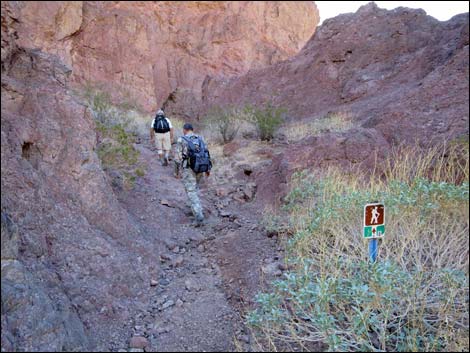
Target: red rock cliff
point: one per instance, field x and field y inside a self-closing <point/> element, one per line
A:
<point x="401" y="75"/>
<point x="143" y="51"/>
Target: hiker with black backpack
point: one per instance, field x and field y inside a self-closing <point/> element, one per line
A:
<point x="162" y="131"/>
<point x="195" y="161"/>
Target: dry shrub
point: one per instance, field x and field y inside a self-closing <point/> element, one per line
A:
<point x="332" y="122"/>
<point x="415" y="298"/>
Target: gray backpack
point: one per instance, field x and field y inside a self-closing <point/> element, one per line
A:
<point x="199" y="158"/>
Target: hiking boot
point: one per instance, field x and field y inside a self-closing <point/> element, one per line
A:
<point x="199" y="221"/>
<point x="165" y="162"/>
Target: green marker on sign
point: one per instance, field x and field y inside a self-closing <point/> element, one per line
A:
<point x="374" y="232"/>
<point x="374" y="227"/>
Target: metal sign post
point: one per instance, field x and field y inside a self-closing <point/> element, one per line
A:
<point x="374" y="227"/>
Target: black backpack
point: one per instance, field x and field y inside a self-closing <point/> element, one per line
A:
<point x="199" y="158"/>
<point x="161" y="124"/>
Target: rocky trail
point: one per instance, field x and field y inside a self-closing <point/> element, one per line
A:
<point x="208" y="276"/>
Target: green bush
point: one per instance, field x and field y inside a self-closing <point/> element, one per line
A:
<point x="139" y="172"/>
<point x="365" y="308"/>
<point x="117" y="131"/>
<point x="266" y="119"/>
<point x="118" y="151"/>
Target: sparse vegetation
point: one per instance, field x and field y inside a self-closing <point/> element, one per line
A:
<point x="124" y="113"/>
<point x="226" y="121"/>
<point x="414" y="299"/>
<point x="117" y="129"/>
<point x="331" y="122"/>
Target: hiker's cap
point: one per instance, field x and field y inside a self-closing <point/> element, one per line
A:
<point x="160" y="112"/>
<point x="188" y="126"/>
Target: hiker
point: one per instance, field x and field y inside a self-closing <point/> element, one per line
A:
<point x="162" y="131"/>
<point x="194" y="161"/>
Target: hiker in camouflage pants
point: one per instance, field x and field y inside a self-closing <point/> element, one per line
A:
<point x="190" y="178"/>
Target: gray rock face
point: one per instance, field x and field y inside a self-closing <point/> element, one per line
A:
<point x="34" y="319"/>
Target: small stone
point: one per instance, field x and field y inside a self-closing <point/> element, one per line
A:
<point x="153" y="283"/>
<point x="122" y="350"/>
<point x="224" y="213"/>
<point x="168" y="304"/>
<point x="240" y="197"/>
<point x="170" y="244"/>
<point x="165" y="257"/>
<point x="192" y="286"/>
<point x="244" y="338"/>
<point x="221" y="192"/>
<point x="164" y="202"/>
<point x="178" y="261"/>
<point x="179" y="303"/>
<point x="136" y="350"/>
<point x="272" y="269"/>
<point x="161" y="330"/>
<point x="138" y="342"/>
<point x="176" y="249"/>
<point x="201" y="248"/>
<point x="164" y="282"/>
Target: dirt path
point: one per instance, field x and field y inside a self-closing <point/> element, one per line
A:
<point x="208" y="276"/>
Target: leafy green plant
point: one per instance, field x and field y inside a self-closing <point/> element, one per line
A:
<point x="117" y="131"/>
<point x="266" y="119"/>
<point x="414" y="299"/>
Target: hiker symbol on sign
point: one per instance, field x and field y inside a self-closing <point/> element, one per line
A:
<point x="374" y="220"/>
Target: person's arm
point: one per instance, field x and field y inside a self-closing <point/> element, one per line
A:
<point x="152" y="134"/>
<point x="208" y="173"/>
<point x="172" y="135"/>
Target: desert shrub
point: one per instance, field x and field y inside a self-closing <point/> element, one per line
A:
<point x="331" y="122"/>
<point x="124" y="114"/>
<point x="116" y="149"/>
<point x="100" y="104"/>
<point x="139" y="172"/>
<point x="226" y="121"/>
<point x="117" y="131"/>
<point x="415" y="298"/>
<point x="266" y="119"/>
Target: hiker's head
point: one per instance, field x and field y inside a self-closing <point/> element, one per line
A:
<point x="160" y="112"/>
<point x="187" y="128"/>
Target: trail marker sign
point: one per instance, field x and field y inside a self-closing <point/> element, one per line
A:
<point x="374" y="220"/>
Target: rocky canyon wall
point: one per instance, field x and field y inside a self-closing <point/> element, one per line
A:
<point x="75" y="264"/>
<point x="400" y="76"/>
<point x="145" y="51"/>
